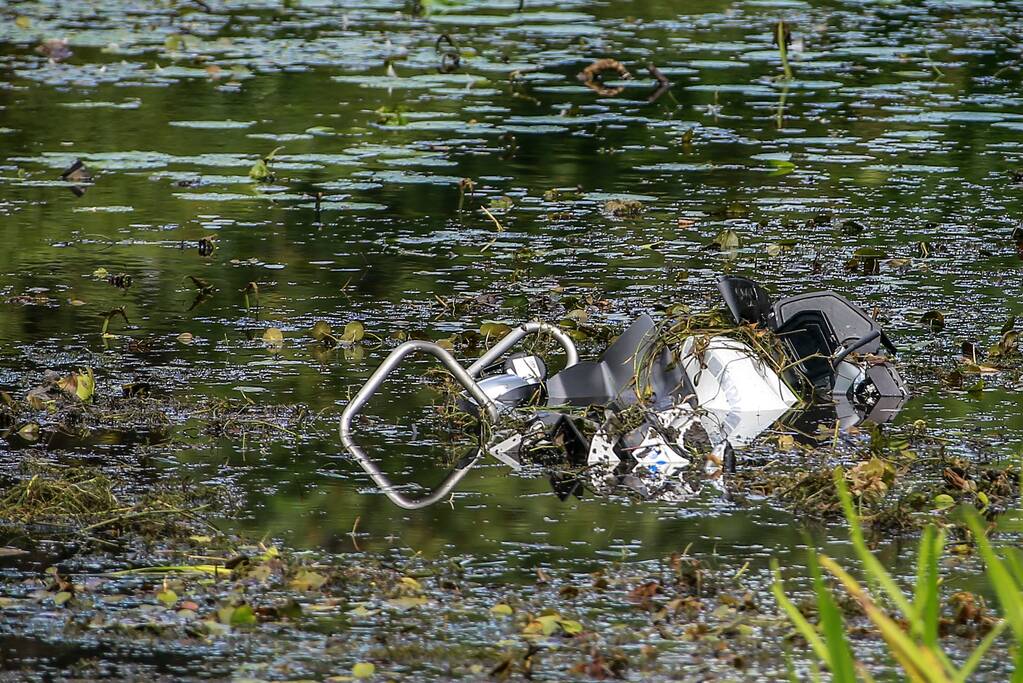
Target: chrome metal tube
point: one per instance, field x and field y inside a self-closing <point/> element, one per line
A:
<point x="373" y="384"/>
<point x="509" y="340"/>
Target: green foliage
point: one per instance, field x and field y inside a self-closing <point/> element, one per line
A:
<point x="916" y="647"/>
<point x="260" y="170"/>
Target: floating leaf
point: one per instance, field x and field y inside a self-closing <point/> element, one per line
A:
<point x="943" y="501"/>
<point x="186" y="338"/>
<point x="726" y="240"/>
<point x="29" y="432"/>
<point x="1007" y="345"/>
<point x="502" y="203"/>
<point x="362" y="611"/>
<point x="82" y="384"/>
<point x="409" y="582"/>
<point x="549" y="624"/>
<point x="260" y="171"/>
<point x="934" y="320"/>
<point x="781" y="167"/>
<point x="866" y="260"/>
<point x="167" y="597"/>
<point x="971" y="367"/>
<point x="354" y="332"/>
<point x="307" y="580"/>
<point x="492" y="329"/>
<point x="502" y="609"/>
<point x="273" y="336"/>
<point x="242" y="615"/>
<point x="407" y="602"/>
<point x="320" y="331"/>
<point x="578" y="315"/>
<point x="61" y="598"/>
<point x="570" y="626"/>
<point x="23" y="22"/>
<point x="364" y="670"/>
<point x="874" y="476"/>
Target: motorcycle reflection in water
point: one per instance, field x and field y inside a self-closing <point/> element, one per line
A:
<point x="661" y="412"/>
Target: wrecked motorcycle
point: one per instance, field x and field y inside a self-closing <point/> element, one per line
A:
<point x="667" y="405"/>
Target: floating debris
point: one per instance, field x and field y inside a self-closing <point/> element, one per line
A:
<point x="120" y="281"/>
<point x="665" y="403"/>
<point x="55" y="49"/>
<point x="591" y="76"/>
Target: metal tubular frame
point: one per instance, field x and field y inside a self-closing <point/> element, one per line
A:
<point x="467" y="378"/>
<point x="512" y="338"/>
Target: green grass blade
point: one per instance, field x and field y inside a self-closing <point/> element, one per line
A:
<point x="926" y="598"/>
<point x="804" y="627"/>
<point x="871" y="565"/>
<point x="919" y="662"/>
<point x="841" y="660"/>
<point x="1005" y="587"/>
<point x="1017" y="674"/>
<point x="1014" y="561"/>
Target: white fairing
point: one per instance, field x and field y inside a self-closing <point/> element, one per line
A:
<point x="729" y="377"/>
<point x="738" y="397"/>
<point x="738" y="428"/>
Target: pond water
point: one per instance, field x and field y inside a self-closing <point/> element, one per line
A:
<point x="900" y="132"/>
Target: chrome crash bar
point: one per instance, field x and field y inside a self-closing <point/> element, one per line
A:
<point x="466" y="377"/>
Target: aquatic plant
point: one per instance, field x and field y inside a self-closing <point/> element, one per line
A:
<point x="913" y="641"/>
<point x="782" y="38"/>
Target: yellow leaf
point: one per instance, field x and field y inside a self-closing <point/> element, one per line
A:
<point x="570" y="626"/>
<point x="409" y="582"/>
<point x="354" y="332"/>
<point x="407" y="603"/>
<point x="186" y="338"/>
<point x="167" y="598"/>
<point x="549" y="623"/>
<point x="364" y="670"/>
<point x="243" y="616"/>
<point x="29" y="432"/>
<point x="502" y="609"/>
<point x="361" y="611"/>
<point x="307" y="580"/>
<point x="86" y="385"/>
<point x="23" y="22"/>
<point x="492" y="329"/>
<point x="273" y="336"/>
